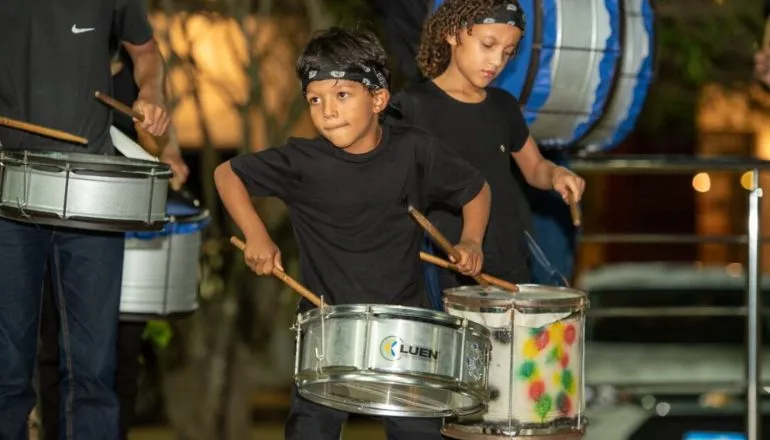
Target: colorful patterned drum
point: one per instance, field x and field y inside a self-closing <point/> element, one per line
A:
<point x="536" y="371"/>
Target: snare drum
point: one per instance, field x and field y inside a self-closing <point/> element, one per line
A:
<point x="536" y="369"/>
<point x="391" y="361"/>
<point x="85" y="191"/>
<point x="160" y="269"/>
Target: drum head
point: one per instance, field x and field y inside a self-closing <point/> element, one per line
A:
<point x="365" y="393"/>
<point x="478" y="297"/>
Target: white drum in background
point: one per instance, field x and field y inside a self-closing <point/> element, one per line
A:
<point x="391" y="361"/>
<point x="160" y="269"/>
<point x="536" y="381"/>
<point x="84" y="191"/>
<point x="634" y="78"/>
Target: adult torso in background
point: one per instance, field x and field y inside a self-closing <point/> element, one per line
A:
<point x="55" y="55"/>
<point x="125" y="90"/>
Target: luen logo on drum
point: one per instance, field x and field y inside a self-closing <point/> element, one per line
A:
<point x="393" y="348"/>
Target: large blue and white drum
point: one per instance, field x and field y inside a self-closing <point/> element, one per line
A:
<point x="160" y="269"/>
<point x="565" y="66"/>
<point x="634" y="78"/>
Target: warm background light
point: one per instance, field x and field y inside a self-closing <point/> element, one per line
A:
<point x="701" y="182"/>
<point x="211" y="83"/>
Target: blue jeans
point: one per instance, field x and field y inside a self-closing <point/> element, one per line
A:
<point x="86" y="270"/>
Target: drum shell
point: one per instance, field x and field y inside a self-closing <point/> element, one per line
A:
<point x="83" y="191"/>
<point x="160" y="270"/>
<point x="634" y="78"/>
<point x="434" y="350"/>
<point x="509" y="318"/>
<point x="575" y="70"/>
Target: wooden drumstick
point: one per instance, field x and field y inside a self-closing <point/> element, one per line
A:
<point x="119" y="106"/>
<point x="440" y="262"/>
<point x="440" y="240"/>
<point x="43" y="131"/>
<point x="574" y="211"/>
<point x="281" y="275"/>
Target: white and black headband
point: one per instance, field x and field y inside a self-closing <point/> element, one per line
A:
<point x="508" y="13"/>
<point x="369" y="76"/>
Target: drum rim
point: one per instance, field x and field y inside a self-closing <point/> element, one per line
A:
<point x="398" y="312"/>
<point x="85" y="160"/>
<point x="476" y="431"/>
<point x="477" y="395"/>
<point x="79" y="222"/>
<point x="452" y="297"/>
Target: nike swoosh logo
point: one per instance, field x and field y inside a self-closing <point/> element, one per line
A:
<point x="77" y="30"/>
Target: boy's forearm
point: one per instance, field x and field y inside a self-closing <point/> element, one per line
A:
<point x="476" y="216"/>
<point x="238" y="203"/>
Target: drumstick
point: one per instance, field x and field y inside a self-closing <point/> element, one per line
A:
<point x="574" y="211"/>
<point x="440" y="240"/>
<point x="119" y="106"/>
<point x="281" y="275"/>
<point x="43" y="131"/>
<point x="440" y="262"/>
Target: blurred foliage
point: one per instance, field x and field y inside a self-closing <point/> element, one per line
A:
<point x="159" y="333"/>
<point x="698" y="42"/>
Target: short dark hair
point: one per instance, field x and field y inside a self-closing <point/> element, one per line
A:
<point x="344" y="49"/>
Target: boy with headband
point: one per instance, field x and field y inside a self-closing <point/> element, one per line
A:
<point x="348" y="191"/>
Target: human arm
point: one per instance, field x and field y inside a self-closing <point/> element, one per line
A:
<point x="261" y="254"/>
<point x="544" y="174"/>
<point x="453" y="182"/>
<point x="171" y="154"/>
<point x="133" y="29"/>
<point x="475" y="220"/>
<point x="254" y="175"/>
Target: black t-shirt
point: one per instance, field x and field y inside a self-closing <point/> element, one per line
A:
<point x="357" y="242"/>
<point x="485" y="134"/>
<point x="55" y="55"/>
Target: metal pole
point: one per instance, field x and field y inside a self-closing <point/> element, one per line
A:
<point x="753" y="360"/>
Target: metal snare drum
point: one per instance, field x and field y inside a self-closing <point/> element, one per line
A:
<point x="85" y="191"/>
<point x="391" y="361"/>
<point x="536" y="381"/>
<point x="160" y="269"/>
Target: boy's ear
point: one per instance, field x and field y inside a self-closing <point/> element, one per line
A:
<point x="380" y="99"/>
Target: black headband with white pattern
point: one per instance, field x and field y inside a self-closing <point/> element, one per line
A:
<point x="369" y="76"/>
<point x="509" y="13"/>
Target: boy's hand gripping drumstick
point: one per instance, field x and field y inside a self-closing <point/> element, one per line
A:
<point x="440" y="262"/>
<point x="440" y="240"/>
<point x="281" y="275"/>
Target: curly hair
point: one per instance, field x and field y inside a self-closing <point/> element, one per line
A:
<point x="449" y="19"/>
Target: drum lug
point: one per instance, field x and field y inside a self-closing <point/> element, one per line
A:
<point x="297" y="328"/>
<point x="322" y="355"/>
